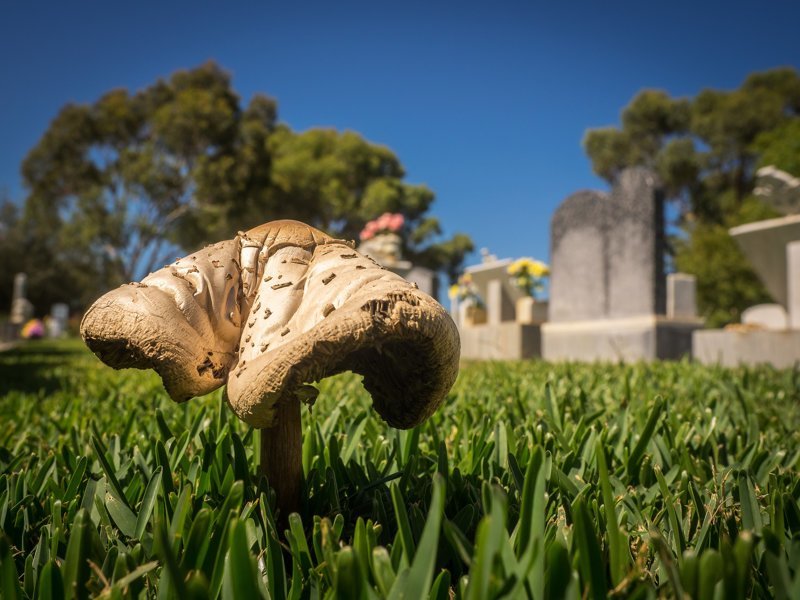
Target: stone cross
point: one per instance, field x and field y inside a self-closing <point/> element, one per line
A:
<point x="607" y="252"/>
<point x="21" y="308"/>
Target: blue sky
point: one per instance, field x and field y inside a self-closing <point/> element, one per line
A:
<point x="486" y="103"/>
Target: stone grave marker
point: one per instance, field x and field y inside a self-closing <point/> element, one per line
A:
<point x="58" y="322"/>
<point x="578" y="266"/>
<point x="766" y="316"/>
<point x="607" y="284"/>
<point x="681" y="296"/>
<point x="21" y="307"/>
<point x="501" y="337"/>
<point x="607" y="252"/>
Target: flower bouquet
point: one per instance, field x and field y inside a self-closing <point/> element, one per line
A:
<point x="381" y="237"/>
<point x="528" y="275"/>
<point x="467" y="295"/>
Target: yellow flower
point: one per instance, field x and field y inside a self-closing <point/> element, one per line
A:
<point x="453" y="291"/>
<point x="539" y="269"/>
<point x="528" y="274"/>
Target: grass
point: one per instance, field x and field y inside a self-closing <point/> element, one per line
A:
<point x="533" y="481"/>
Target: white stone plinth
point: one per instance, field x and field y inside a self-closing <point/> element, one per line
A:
<point x="502" y="341"/>
<point x="793" y="284"/>
<point x="730" y="348"/>
<point x="627" y="339"/>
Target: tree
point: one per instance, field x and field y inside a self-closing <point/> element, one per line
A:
<point x="118" y="179"/>
<point x="52" y="276"/>
<point x="340" y="182"/>
<point x="120" y="186"/>
<point x="706" y="151"/>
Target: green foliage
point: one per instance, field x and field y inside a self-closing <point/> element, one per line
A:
<point x="706" y="150"/>
<point x="119" y="186"/>
<point x="721" y="268"/>
<point x="339" y="182"/>
<point x="19" y="251"/>
<point x="532" y="481"/>
<point x="780" y="147"/>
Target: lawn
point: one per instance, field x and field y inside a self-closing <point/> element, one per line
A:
<point x="533" y="481"/>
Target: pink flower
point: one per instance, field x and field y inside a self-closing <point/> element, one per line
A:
<point x="396" y="222"/>
<point x="386" y="222"/>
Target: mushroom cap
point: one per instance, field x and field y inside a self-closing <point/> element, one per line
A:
<point x="184" y="321"/>
<point x="142" y="328"/>
<point x="346" y="313"/>
<point x="402" y="341"/>
<point x="299" y="306"/>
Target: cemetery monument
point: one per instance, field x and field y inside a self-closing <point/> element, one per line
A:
<point x="499" y="320"/>
<point x="769" y="333"/>
<point x="21" y="307"/>
<point x="609" y="296"/>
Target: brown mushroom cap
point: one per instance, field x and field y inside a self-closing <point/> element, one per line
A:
<point x="142" y="328"/>
<point x="306" y="306"/>
<point x="183" y="321"/>
<point x="403" y="342"/>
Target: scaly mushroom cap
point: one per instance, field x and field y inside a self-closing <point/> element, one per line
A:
<point x="278" y="307"/>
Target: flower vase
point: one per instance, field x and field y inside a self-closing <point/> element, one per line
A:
<point x="474" y="315"/>
<point x="386" y="247"/>
<point x="529" y="311"/>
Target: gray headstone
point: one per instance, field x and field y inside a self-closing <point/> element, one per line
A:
<point x="494" y="286"/>
<point x="21" y="307"/>
<point x="59" y="320"/>
<point x="793" y="283"/>
<point x="578" y="281"/>
<point x="426" y="279"/>
<point x="20" y="286"/>
<point x="681" y="296"/>
<point x="636" y="246"/>
<point x="607" y="252"/>
<point x="765" y="245"/>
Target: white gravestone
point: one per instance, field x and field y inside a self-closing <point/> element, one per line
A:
<point x="766" y="316"/>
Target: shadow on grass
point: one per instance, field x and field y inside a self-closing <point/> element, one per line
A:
<point x="39" y="365"/>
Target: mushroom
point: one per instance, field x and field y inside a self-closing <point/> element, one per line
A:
<point x="270" y="311"/>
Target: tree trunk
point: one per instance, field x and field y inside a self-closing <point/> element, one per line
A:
<point x="282" y="456"/>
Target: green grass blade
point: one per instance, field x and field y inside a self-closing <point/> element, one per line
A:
<point x="9" y="580"/>
<point x="148" y="502"/>
<point x="635" y="459"/>
<point x="240" y="572"/>
<point x="617" y="544"/>
<point x="110" y="474"/>
<point x="122" y="515"/>
<point x="589" y="556"/>
<point x="403" y="525"/>
<point x="417" y="583"/>
<point x="51" y="585"/>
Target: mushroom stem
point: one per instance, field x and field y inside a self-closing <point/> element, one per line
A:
<point x="282" y="456"/>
